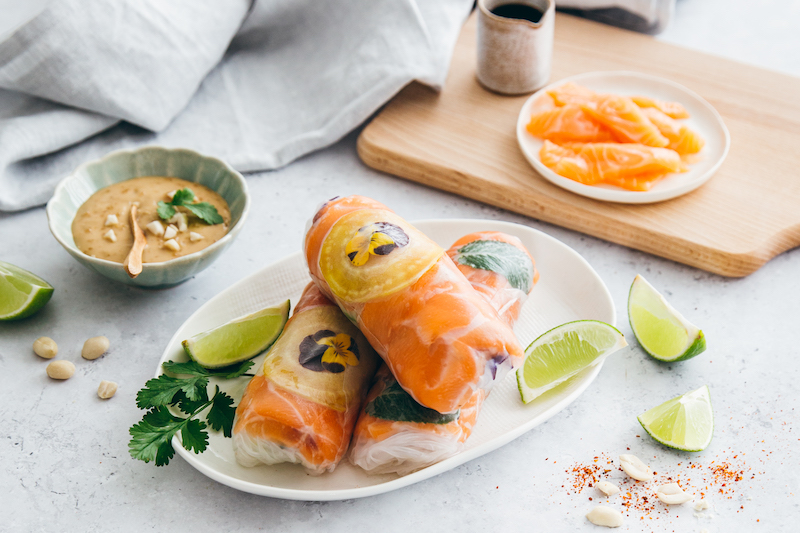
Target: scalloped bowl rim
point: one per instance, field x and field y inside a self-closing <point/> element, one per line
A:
<point x="190" y="258"/>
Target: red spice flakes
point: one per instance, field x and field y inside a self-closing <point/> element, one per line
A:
<point x="721" y="476"/>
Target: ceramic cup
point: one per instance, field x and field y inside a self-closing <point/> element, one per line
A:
<point x="514" y="54"/>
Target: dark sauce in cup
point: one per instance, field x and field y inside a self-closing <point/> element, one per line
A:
<point x="519" y="11"/>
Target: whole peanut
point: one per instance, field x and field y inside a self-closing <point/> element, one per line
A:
<point x="45" y="347"/>
<point x="60" y="369"/>
<point x="95" y="347"/>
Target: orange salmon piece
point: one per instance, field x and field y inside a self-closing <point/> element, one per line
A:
<point x="571" y="93"/>
<point x="671" y="109"/>
<point x="566" y="162"/>
<point x="641" y="182"/>
<point x="594" y="163"/>
<point x="682" y="139"/>
<point x="493" y="286"/>
<point x="625" y="119"/>
<point x="568" y="123"/>
<point x="320" y="434"/>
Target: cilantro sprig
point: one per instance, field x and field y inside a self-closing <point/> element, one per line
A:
<point x="151" y="438"/>
<point x="185" y="198"/>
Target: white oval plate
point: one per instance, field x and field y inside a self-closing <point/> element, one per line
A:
<point x="569" y="289"/>
<point x="704" y="120"/>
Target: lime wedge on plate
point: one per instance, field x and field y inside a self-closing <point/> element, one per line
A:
<point x="21" y="292"/>
<point x="684" y="423"/>
<point x="564" y="351"/>
<point x="238" y="340"/>
<point x="661" y="330"/>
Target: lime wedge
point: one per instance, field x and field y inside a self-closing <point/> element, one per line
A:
<point x="564" y="351"/>
<point x="661" y="330"/>
<point x="684" y="423"/>
<point x="238" y="340"/>
<point x="21" y="292"/>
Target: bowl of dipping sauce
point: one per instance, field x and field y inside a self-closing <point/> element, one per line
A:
<point x="189" y="206"/>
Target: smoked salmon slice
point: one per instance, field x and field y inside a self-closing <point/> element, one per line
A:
<point x="568" y="123"/>
<point x="614" y="163"/>
<point x="681" y="138"/>
<point x="571" y="93"/>
<point x="625" y="119"/>
<point x="671" y="109"/>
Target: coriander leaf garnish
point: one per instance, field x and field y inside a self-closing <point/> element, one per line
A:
<point x="193" y="368"/>
<point x="193" y="436"/>
<point x="220" y="416"/>
<point x="185" y="198"/>
<point x="206" y="212"/>
<point x="151" y="439"/>
<point x="161" y="391"/>
<point x="189" y="406"/>
<point x="233" y="371"/>
<point x="165" y="210"/>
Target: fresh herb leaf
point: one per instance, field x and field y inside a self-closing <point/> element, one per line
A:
<point x="205" y="212"/>
<point x="193" y="436"/>
<point x="165" y="210"/>
<point x="220" y="416"/>
<point x="397" y="405"/>
<point x="185" y="198"/>
<point x="151" y="438"/>
<point x="192" y="368"/>
<point x="161" y="391"/>
<point x="500" y="257"/>
<point x="190" y="406"/>
<point x="233" y="371"/>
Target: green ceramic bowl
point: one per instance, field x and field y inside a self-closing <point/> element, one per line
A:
<point x="119" y="166"/>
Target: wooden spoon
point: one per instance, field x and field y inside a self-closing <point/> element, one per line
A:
<point x="133" y="263"/>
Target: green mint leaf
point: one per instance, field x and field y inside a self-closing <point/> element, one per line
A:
<point x="206" y="212"/>
<point x="396" y="404"/>
<point x="500" y="257"/>
<point x="194" y="437"/>
<point x="161" y="391"/>
<point x="220" y="416"/>
<point x="151" y="438"/>
<point x="165" y="211"/>
<point x="232" y="371"/>
<point x="191" y="368"/>
<point x="183" y="197"/>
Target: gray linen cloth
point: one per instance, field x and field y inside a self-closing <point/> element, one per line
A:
<point x="255" y="85"/>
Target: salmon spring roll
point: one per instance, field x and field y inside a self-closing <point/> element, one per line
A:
<point x="301" y="405"/>
<point x="396" y="434"/>
<point x="440" y="338"/>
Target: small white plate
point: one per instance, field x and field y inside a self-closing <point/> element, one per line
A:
<point x="704" y="120"/>
<point x="569" y="289"/>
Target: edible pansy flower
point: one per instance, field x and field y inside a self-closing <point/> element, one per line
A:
<point x="379" y="238"/>
<point x="328" y="351"/>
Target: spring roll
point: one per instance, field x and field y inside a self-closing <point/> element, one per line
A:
<point x="303" y="402"/>
<point x="439" y="337"/>
<point x="396" y="434"/>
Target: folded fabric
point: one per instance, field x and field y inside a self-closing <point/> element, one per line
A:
<point x="294" y="76"/>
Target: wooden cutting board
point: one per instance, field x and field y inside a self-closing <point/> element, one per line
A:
<point x="463" y="140"/>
